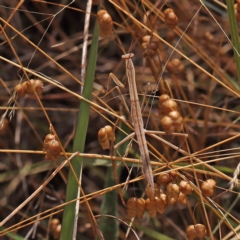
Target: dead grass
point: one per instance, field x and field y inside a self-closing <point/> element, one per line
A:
<point x="207" y="93"/>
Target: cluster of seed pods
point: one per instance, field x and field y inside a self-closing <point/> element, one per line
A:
<point x="171" y="18"/>
<point x="106" y="136"/>
<point x="160" y="201"/>
<point x="196" y="231"/>
<point x="52" y="147"/>
<point x="28" y="87"/>
<point x="171" y="120"/>
<point x="150" y="45"/>
<point x="174" y="192"/>
<point x="105" y="23"/>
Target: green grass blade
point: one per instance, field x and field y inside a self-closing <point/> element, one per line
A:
<point x="69" y="216"/>
<point x="234" y="34"/>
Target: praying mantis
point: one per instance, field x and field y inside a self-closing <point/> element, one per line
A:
<point x="138" y="125"/>
<point x="137" y="121"/>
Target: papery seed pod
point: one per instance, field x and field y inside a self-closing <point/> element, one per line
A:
<point x="53" y="224"/>
<point x="174" y="115"/>
<point x="132" y="207"/>
<point x="178" y="124"/>
<point x="182" y="198"/>
<point x="32" y="85"/>
<point x="160" y="203"/>
<point x="20" y="89"/>
<point x="171" y="18"/>
<point x="163" y="98"/>
<point x="185" y="187"/>
<point x="157" y="191"/>
<point x="207" y="187"/>
<point x="167" y="125"/>
<point x="169" y="106"/>
<point x="110" y="133"/>
<point x="105" y="135"/>
<point x="150" y="45"/>
<point x="150" y="207"/>
<point x="172" y="193"/>
<point x="140" y="208"/>
<point x="191" y="232"/>
<point x="105" y="23"/>
<point x="175" y="66"/>
<point x="201" y="230"/>
<point x="52" y="147"/>
<point x="103" y="139"/>
<point x="47" y="141"/>
<point x="178" y="65"/>
<point x="173" y="175"/>
<point x="4" y="127"/>
<point x="57" y="232"/>
<point x="54" y="150"/>
<point x="165" y="178"/>
<point x="177" y="120"/>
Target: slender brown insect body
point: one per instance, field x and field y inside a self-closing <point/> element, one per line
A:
<point x="137" y="120"/>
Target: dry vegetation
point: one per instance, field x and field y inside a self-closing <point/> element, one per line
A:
<point x="190" y="59"/>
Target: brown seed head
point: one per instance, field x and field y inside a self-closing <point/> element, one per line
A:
<point x="103" y="139"/>
<point x="163" y="98"/>
<point x="169" y="106"/>
<point x="191" y="232"/>
<point x="207" y="187"/>
<point x="57" y="232"/>
<point x="150" y="45"/>
<point x="140" y="207"/>
<point x="201" y="230"/>
<point x="167" y="125"/>
<point x="182" y="198"/>
<point x="53" y="224"/>
<point x="163" y="179"/>
<point x="150" y="207"/>
<point x="52" y="147"/>
<point x="105" y="23"/>
<point x="160" y="203"/>
<point x="32" y="85"/>
<point x="132" y="207"/>
<point x="172" y="192"/>
<point x="185" y="187"/>
<point x="20" y="89"/>
<point x="171" y="18"/>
